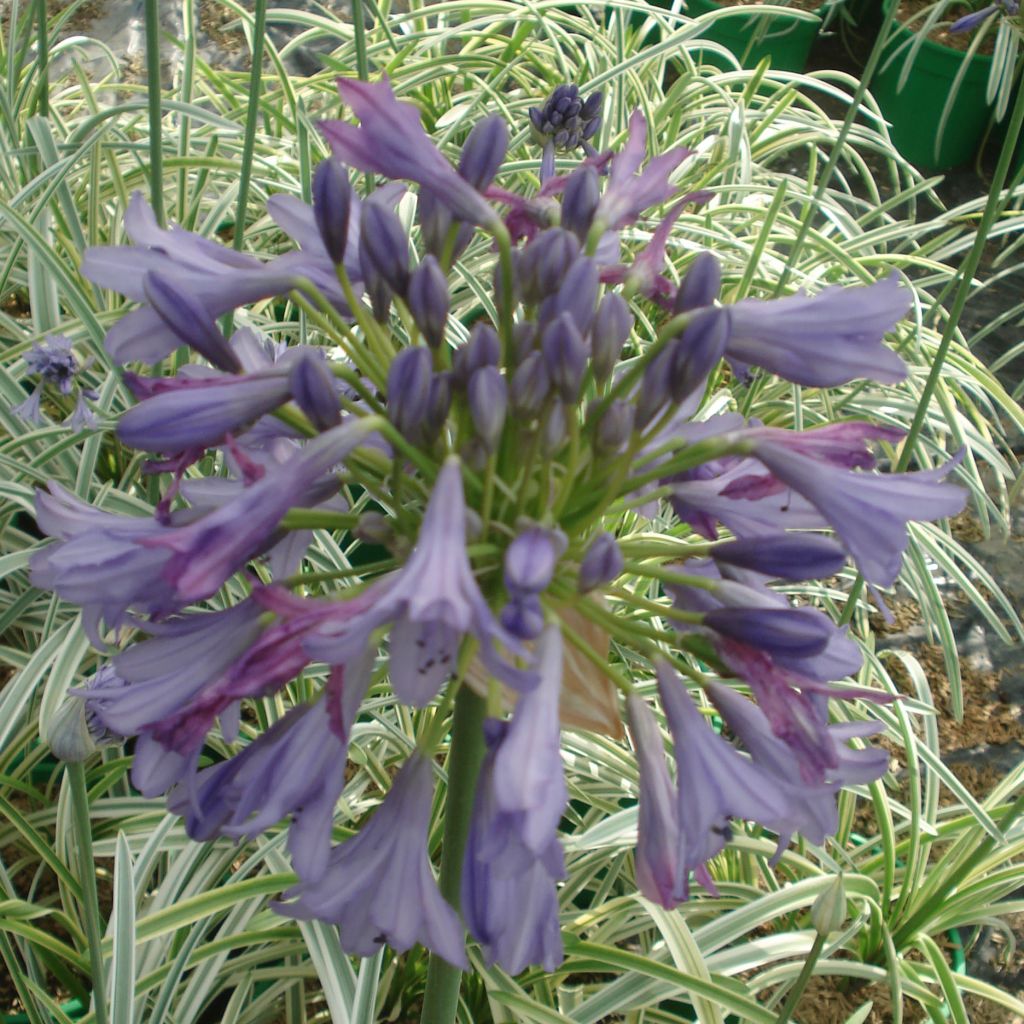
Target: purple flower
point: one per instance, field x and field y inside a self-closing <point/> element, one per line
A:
<point x="54" y="361"/>
<point x="788" y="556"/>
<point x="217" y="279"/>
<point x="971" y="21"/>
<point x="628" y="193"/>
<point x="315" y="388"/>
<point x="487" y="397"/>
<point x="390" y="141"/>
<point x="432" y="602"/>
<point x="825" y="339"/>
<point x="509" y="897"/>
<point x="531" y="558"/>
<point x="715" y="783"/>
<point x="332" y="207"/>
<point x="869" y="512"/>
<point x="192" y="412"/>
<point x="296" y="768"/>
<point x="658" y="841"/>
<point x="428" y="300"/>
<point x="378" y="886"/>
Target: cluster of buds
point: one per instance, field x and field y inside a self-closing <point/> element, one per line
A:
<point x="503" y="454"/>
<point x="53" y="361"/>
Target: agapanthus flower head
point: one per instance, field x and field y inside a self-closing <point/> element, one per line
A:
<point x="565" y="122"/>
<point x="969" y="22"/>
<point x="53" y="360"/>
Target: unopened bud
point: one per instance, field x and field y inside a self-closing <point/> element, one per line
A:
<point x="531" y="558"/>
<point x="828" y="912"/>
<point x="439" y="403"/>
<point x="383" y="247"/>
<point x="523" y="617"/>
<point x="615" y="427"/>
<point x="553" y="430"/>
<point x="375" y="528"/>
<point x="189" y="321"/>
<point x="332" y="205"/>
<point x="602" y="563"/>
<point x="482" y="349"/>
<point x="409" y="380"/>
<point x="484" y="152"/>
<point x="701" y="285"/>
<point x="313" y="388"/>
<point x="565" y="353"/>
<point x="579" y="201"/>
<point x="608" y="333"/>
<point x="545" y="261"/>
<point x="576" y="295"/>
<point x="530" y="385"/>
<point x="75" y="732"/>
<point x="698" y="351"/>
<point x="487" y="394"/>
<point x="428" y="300"/>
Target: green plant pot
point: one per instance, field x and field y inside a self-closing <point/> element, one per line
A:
<point x="915" y="111"/>
<point x="751" y="34"/>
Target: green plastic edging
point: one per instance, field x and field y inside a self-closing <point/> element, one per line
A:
<point x="915" y="111"/>
<point x="753" y="33"/>
<point x="73" y="1009"/>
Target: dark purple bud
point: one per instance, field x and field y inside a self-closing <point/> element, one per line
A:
<point x="576" y="295"/>
<point x="530" y="385"/>
<point x="524" y="340"/>
<point x="602" y="563"/>
<point x="484" y="152"/>
<point x="592" y="105"/>
<point x="482" y="349"/>
<point x="701" y="285"/>
<point x="614" y="427"/>
<point x="553" y="430"/>
<point x="314" y="391"/>
<point x="428" y="300"/>
<point x="787" y="556"/>
<point x="536" y="118"/>
<point x="488" y="402"/>
<point x="332" y="204"/>
<point x="531" y="558"/>
<point x="698" y="351"/>
<point x="187" y="318"/>
<point x="383" y="247"/>
<point x="579" y="201"/>
<point x="788" y="632"/>
<point x="544" y="263"/>
<point x="436" y="223"/>
<point x="438" y="405"/>
<point x="565" y="353"/>
<point x="653" y="395"/>
<point x="523" y="617"/>
<point x="409" y="380"/>
<point x="608" y="333"/>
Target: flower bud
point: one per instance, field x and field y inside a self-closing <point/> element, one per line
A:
<point x="553" y="430"/>
<point x="523" y="617"/>
<point x="614" y="427"/>
<point x="428" y="300"/>
<point x="828" y="911"/>
<point x="565" y="353"/>
<point x="409" y="382"/>
<point x="332" y="204"/>
<point x="697" y="352"/>
<point x="383" y="247"/>
<point x="602" y="563"/>
<point x="75" y="732"/>
<point x="544" y="262"/>
<point x="189" y="321"/>
<point x="439" y="403"/>
<point x="313" y="389"/>
<point x="701" y="285"/>
<point x="482" y="349"/>
<point x="787" y="556"/>
<point x="488" y="402"/>
<point x="531" y="558"/>
<point x="579" y="201"/>
<point x="484" y="151"/>
<point x="576" y="295"/>
<point x="530" y="385"/>
<point x="653" y="394"/>
<point x="608" y="333"/>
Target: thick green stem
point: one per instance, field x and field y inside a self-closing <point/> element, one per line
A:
<point x="359" y="31"/>
<point x="87" y="878"/>
<point x="441" y="998"/>
<point x="801" y="982"/>
<point x="154" y="86"/>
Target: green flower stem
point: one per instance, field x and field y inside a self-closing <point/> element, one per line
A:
<point x="259" y="27"/>
<point x="965" y="278"/>
<point x="801" y="982"/>
<point x="90" y="899"/>
<point x="42" y="60"/>
<point x="153" y="94"/>
<point x="504" y="243"/>
<point x="318" y="519"/>
<point x="441" y="998"/>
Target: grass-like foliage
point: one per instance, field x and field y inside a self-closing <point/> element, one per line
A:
<point x="187" y="933"/>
